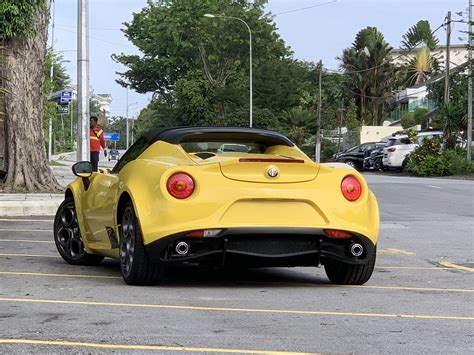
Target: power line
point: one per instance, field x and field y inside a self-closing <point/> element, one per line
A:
<point x="393" y="59"/>
<point x="92" y="28"/>
<point x="101" y="40"/>
<point x="306" y="8"/>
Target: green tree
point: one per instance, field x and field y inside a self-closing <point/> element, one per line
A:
<point x="218" y="48"/>
<point x="418" y="34"/>
<point x="457" y="109"/>
<point x="23" y="28"/>
<point x="60" y="129"/>
<point x="199" y="67"/>
<point x="298" y="123"/>
<point x="370" y="72"/>
<point x="419" y="64"/>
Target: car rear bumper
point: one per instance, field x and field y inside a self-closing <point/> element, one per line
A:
<point x="254" y="247"/>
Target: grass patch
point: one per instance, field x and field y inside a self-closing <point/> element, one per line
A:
<point x="55" y="163"/>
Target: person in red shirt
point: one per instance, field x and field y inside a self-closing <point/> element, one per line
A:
<point x="97" y="140"/>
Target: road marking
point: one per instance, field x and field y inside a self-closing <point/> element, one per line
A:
<point x="26" y="220"/>
<point x="245" y="310"/>
<point x="434" y="187"/>
<point x="455" y="266"/>
<point x="392" y="251"/>
<point x="26" y="241"/>
<point x="30" y="255"/>
<point x="143" y="347"/>
<point x="59" y="275"/>
<point x="300" y="284"/>
<point x="25" y="230"/>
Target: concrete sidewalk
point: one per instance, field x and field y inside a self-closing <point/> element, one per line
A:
<point x="27" y="204"/>
<point x="38" y="204"/>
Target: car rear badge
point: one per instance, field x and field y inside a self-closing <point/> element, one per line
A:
<point x="272" y="172"/>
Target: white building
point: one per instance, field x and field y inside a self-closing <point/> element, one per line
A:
<point x="457" y="55"/>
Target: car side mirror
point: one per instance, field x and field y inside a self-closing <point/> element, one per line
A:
<point x="82" y="169"/>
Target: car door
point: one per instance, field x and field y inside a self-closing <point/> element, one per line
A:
<point x="99" y="202"/>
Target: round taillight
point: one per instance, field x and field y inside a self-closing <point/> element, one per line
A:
<point x="351" y="188"/>
<point x="180" y="185"/>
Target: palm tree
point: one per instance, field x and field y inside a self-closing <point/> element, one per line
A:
<point x="421" y="32"/>
<point x="420" y="38"/>
<point x="369" y="68"/>
<point x="297" y="123"/>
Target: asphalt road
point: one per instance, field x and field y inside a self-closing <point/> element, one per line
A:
<point x="419" y="300"/>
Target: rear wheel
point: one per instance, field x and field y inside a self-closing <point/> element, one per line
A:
<point x="351" y="163"/>
<point x="67" y="236"/>
<point x="134" y="262"/>
<point x="339" y="272"/>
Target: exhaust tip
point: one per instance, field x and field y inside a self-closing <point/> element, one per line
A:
<point x="182" y="248"/>
<point x="356" y="249"/>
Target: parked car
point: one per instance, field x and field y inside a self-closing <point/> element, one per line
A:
<point x="171" y="200"/>
<point x="373" y="161"/>
<point x="233" y="148"/>
<point x="114" y="154"/>
<point x="355" y="156"/>
<point x="399" y="146"/>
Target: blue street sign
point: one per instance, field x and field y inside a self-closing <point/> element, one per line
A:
<point x="66" y="97"/>
<point x="112" y="136"/>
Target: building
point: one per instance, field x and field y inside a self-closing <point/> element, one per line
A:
<point x="409" y="99"/>
<point x="457" y="55"/>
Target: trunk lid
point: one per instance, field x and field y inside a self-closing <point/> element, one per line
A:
<point x="269" y="169"/>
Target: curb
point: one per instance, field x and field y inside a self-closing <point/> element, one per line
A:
<point x="29" y="208"/>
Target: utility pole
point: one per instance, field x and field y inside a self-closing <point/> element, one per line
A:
<point x="446" y="69"/>
<point x="50" y="124"/>
<point x="83" y="149"/>
<point x="469" y="87"/>
<point x="317" y="155"/>
<point x="340" y="126"/>
<point x="126" y="118"/>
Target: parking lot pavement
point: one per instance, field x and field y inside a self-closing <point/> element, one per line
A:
<point x="419" y="300"/>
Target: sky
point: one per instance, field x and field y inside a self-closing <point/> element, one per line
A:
<point x="313" y="29"/>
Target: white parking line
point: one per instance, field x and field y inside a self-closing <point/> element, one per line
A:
<point x="434" y="187"/>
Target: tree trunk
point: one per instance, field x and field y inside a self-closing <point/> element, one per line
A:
<point x="28" y="168"/>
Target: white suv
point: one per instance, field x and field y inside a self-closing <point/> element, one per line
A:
<point x="398" y="147"/>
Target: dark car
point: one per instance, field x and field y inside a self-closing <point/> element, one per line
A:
<point x="373" y="160"/>
<point x="114" y="154"/>
<point x="355" y="156"/>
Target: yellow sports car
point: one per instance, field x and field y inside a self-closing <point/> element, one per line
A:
<point x="177" y="196"/>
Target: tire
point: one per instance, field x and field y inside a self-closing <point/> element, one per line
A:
<point x="342" y="273"/>
<point x="67" y="236"/>
<point x="377" y="164"/>
<point x="135" y="265"/>
<point x="351" y="163"/>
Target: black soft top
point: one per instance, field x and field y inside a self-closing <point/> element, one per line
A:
<point x="178" y="135"/>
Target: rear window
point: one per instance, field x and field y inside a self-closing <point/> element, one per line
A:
<point x="227" y="147"/>
<point x="397" y="141"/>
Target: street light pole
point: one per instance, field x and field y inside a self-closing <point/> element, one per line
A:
<point x="83" y="81"/>
<point x="250" y="60"/>
<point x="126" y="118"/>
<point x="469" y="87"/>
<point x="317" y="156"/>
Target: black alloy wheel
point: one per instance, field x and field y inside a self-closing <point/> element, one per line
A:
<point x="134" y="262"/>
<point x="67" y="236"/>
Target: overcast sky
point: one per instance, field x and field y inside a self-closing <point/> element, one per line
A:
<point x="313" y="33"/>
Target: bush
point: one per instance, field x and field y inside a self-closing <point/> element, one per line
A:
<point x="408" y="120"/>
<point x="429" y="147"/>
<point x="455" y="162"/>
<point x="427" y="160"/>
<point x="432" y="165"/>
